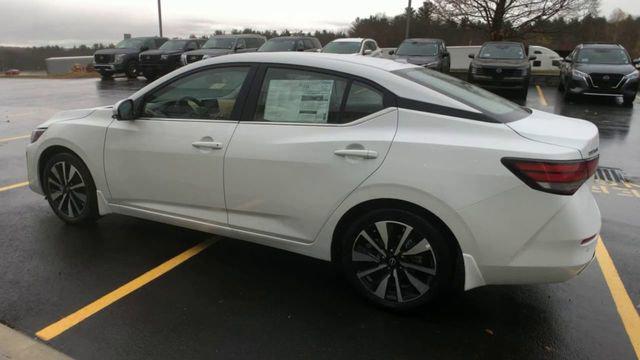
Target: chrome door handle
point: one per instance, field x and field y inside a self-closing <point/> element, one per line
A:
<point x="365" y="154"/>
<point x="207" y="145"/>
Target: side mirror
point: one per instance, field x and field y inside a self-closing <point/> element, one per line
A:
<point x="532" y="57"/>
<point x="568" y="59"/>
<point x="123" y="110"/>
<point x="555" y="63"/>
<point x="472" y="56"/>
<point x="367" y="52"/>
<point x="636" y="62"/>
<point x="391" y="52"/>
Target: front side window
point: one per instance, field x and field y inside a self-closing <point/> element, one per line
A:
<point x="300" y="96"/>
<point x="342" y="47"/>
<point x="370" y="45"/>
<point x="608" y="56"/>
<point x="502" y="51"/>
<point x="417" y="48"/>
<point x="496" y="107"/>
<point x="209" y="95"/>
<point x="172" y="45"/>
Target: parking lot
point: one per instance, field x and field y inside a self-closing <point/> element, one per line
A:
<point x="149" y="290"/>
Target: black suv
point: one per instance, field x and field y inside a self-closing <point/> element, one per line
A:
<point x="599" y="69"/>
<point x="224" y="44"/>
<point x="124" y="57"/>
<point x="429" y="53"/>
<point x="502" y="65"/>
<point x="291" y="43"/>
<point x="154" y="63"/>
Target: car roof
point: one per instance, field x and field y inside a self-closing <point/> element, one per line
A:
<point x="349" y="40"/>
<point x="600" y="45"/>
<point x="292" y="37"/>
<point x="378" y="70"/>
<point x="425" y="40"/>
<point x="236" y="36"/>
<point x="504" y="42"/>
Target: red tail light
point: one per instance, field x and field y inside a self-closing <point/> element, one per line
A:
<point x="556" y="177"/>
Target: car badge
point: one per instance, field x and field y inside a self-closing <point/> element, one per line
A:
<point x="606" y="77"/>
<point x="498" y="70"/>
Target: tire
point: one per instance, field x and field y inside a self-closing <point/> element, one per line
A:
<point x="131" y="69"/>
<point x="150" y="75"/>
<point x="567" y="95"/>
<point x="523" y="93"/>
<point x="376" y="270"/>
<point x="69" y="189"/>
<point x="560" y="85"/>
<point x="628" y="100"/>
<point x="106" y="76"/>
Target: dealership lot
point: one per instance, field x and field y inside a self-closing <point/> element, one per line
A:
<point x="239" y="300"/>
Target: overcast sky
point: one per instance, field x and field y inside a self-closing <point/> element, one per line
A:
<point x="74" y="22"/>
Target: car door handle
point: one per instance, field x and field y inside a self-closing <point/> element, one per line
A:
<point x="207" y="145"/>
<point x="365" y="154"/>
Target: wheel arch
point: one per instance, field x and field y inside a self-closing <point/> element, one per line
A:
<point x="52" y="150"/>
<point x="379" y="203"/>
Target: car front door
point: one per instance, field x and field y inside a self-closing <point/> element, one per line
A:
<point x="307" y="140"/>
<point x="170" y="159"/>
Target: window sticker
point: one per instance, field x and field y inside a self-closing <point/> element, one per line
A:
<point x="298" y="100"/>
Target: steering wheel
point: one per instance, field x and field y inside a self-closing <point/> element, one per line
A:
<point x="193" y="103"/>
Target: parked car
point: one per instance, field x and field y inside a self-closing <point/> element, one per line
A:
<point x="124" y="57"/>
<point x="222" y="45"/>
<point x="12" y="72"/>
<point x="291" y="43"/>
<point x="602" y="70"/>
<point x="412" y="181"/>
<point x="502" y="65"/>
<point x="429" y="53"/>
<point x="353" y="46"/>
<point x="154" y="63"/>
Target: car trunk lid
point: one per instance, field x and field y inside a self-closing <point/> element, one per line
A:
<point x="559" y="130"/>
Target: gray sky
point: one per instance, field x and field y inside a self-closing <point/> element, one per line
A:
<point x="74" y="22"/>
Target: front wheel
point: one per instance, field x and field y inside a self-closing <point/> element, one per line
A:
<point x="132" y="69"/>
<point x="628" y="100"/>
<point x="69" y="189"/>
<point x="396" y="259"/>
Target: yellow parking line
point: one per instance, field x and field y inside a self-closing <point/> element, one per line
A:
<point x="14" y="186"/>
<point x="14" y="138"/>
<point x="626" y="310"/>
<point x="70" y="321"/>
<point x="543" y="100"/>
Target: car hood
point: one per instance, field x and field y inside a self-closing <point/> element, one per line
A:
<point x="605" y="69"/>
<point x="116" y="51"/>
<point x="504" y="63"/>
<point x="416" y="60"/>
<point x="210" y="52"/>
<point x="161" y="52"/>
<point x="68" y="115"/>
<point x="559" y="130"/>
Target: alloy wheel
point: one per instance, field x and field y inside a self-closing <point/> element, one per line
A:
<point x="393" y="261"/>
<point x="67" y="189"/>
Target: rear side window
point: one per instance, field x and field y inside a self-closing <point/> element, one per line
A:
<point x="300" y="96"/>
<point x="308" y="44"/>
<point x="361" y="101"/>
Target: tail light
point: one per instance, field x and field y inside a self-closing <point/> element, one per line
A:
<point x="552" y="176"/>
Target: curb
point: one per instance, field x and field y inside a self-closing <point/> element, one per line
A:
<point x="17" y="346"/>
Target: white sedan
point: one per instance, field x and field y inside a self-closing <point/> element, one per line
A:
<point x="414" y="182"/>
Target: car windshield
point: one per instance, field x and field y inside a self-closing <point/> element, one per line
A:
<point x="494" y="106"/>
<point x="603" y="56"/>
<point x="342" y="47"/>
<point x="130" y="44"/>
<point x="279" y="45"/>
<point x="417" y="48"/>
<point x="502" y="51"/>
<point x="173" y="45"/>
<point x="219" y="43"/>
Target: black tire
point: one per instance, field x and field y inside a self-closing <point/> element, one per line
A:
<point x="149" y="75"/>
<point x="420" y="275"/>
<point x="106" y="76"/>
<point x="523" y="93"/>
<point x="131" y="69"/>
<point x="567" y="95"/>
<point x="628" y="100"/>
<point x="69" y="189"/>
<point x="560" y="85"/>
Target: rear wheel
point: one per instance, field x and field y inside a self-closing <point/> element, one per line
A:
<point x="396" y="259"/>
<point x="132" y="69"/>
<point x="69" y="188"/>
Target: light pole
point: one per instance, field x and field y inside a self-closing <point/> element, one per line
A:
<point x="406" y="32"/>
<point x="160" y="16"/>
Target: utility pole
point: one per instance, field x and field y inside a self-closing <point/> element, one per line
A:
<point x="406" y="33"/>
<point x="160" y="16"/>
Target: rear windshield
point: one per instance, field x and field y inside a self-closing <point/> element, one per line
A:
<point x="502" y="51"/>
<point x="603" y="56"/>
<point x="342" y="47"/>
<point x="173" y="45"/>
<point x="279" y="45"/>
<point x="493" y="106"/>
<point x="417" y="48"/>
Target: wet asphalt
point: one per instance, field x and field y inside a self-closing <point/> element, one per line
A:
<point x="237" y="300"/>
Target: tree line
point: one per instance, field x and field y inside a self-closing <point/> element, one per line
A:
<point x="455" y="21"/>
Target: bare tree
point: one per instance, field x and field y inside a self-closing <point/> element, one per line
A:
<point x="509" y="17"/>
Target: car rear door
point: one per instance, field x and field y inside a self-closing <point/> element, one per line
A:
<point x="170" y="159"/>
<point x="307" y="140"/>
